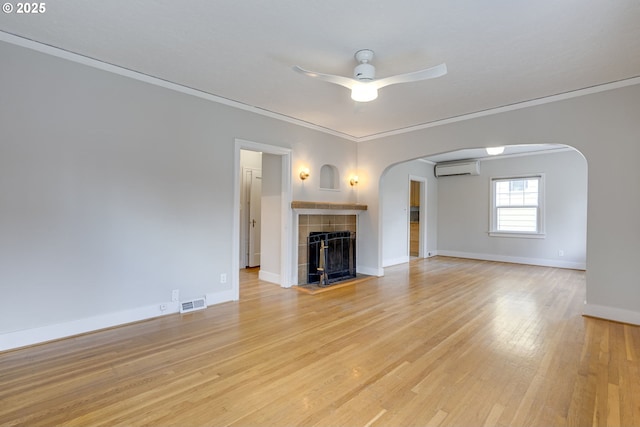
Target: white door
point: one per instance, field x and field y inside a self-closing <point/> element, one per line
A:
<point x="255" y="198"/>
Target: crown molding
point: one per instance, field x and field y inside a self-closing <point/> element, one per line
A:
<point x="95" y="63"/>
<point x="136" y="75"/>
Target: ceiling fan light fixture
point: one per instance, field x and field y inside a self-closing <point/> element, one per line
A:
<point x="364" y="85"/>
<point x="494" y="151"/>
<point x="364" y="92"/>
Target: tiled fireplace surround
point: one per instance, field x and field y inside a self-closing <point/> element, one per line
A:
<point x="313" y="216"/>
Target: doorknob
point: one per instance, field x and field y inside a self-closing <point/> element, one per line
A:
<point x="253" y="223"/>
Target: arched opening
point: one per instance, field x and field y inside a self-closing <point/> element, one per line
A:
<point x="458" y="208"/>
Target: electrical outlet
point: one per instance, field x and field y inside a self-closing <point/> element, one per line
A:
<point x="175" y="295"/>
<point x="560" y="252"/>
<point x="163" y="307"/>
<point x="223" y="278"/>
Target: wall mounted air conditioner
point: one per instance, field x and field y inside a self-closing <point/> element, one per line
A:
<point x="468" y="167"/>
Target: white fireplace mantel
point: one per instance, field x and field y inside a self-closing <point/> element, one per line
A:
<point x="319" y="208"/>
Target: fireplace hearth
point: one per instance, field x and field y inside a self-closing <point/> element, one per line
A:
<point x="331" y="257"/>
<point x="312" y="217"/>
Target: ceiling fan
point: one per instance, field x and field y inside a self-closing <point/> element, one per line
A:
<point x="364" y="86"/>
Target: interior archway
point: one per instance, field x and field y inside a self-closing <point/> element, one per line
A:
<point x="458" y="207"/>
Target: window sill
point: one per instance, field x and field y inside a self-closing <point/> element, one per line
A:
<point x="517" y="235"/>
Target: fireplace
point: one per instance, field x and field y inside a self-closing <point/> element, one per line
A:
<point x="331" y="257"/>
<point x="322" y="217"/>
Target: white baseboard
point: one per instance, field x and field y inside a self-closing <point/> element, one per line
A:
<point x="612" y="313"/>
<point x="27" y="337"/>
<point x="395" y="261"/>
<point x="516" y="260"/>
<point x="370" y="271"/>
<point x="42" y="334"/>
<point x="220" y="297"/>
<point x="269" y="277"/>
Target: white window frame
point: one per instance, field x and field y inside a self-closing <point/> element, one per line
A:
<point x="493" y="226"/>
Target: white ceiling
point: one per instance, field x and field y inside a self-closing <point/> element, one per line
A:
<point x="509" y="151"/>
<point x="498" y="52"/>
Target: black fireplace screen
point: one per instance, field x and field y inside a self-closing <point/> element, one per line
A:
<point x="331" y="256"/>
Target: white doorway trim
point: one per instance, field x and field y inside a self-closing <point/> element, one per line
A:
<point x="285" y="223"/>
<point x="422" y="251"/>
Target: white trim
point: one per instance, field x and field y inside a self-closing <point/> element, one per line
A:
<point x="429" y="162"/>
<point x="27" y="337"/>
<point x="91" y="62"/>
<point x="541" y="211"/>
<point x="422" y="231"/>
<point x="220" y="297"/>
<point x="125" y="72"/>
<point x="512" y="107"/>
<point x="46" y="333"/>
<point x="370" y="271"/>
<point x="395" y="261"/>
<point x="612" y="313"/>
<point x="287" y="266"/>
<point x="270" y="277"/>
<point x="295" y="231"/>
<point x="526" y="154"/>
<point x="517" y="235"/>
<point x="543" y="262"/>
<point x="286" y="260"/>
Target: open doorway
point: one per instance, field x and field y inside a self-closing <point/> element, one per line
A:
<point x="414" y="217"/>
<point x="417" y="216"/>
<point x="405" y="214"/>
<point x="250" y="208"/>
<point x="271" y="246"/>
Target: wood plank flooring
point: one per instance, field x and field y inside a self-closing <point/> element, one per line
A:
<point x="442" y="341"/>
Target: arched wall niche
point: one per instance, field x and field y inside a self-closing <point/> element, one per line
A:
<point x="329" y="177"/>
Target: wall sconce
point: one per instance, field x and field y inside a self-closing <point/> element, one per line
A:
<point x="354" y="180"/>
<point x="304" y="173"/>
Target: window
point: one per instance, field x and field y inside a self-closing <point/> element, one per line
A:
<point x="517" y="206"/>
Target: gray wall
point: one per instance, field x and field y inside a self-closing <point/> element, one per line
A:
<point x="394" y="195"/>
<point x="271" y="216"/>
<point x="603" y="126"/>
<point x="113" y="192"/>
<point x="464" y="209"/>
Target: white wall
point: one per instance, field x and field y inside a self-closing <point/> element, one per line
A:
<point x="270" y="237"/>
<point x="603" y="126"/>
<point x="394" y="200"/>
<point x="250" y="159"/>
<point x="464" y="207"/>
<point x="114" y="191"/>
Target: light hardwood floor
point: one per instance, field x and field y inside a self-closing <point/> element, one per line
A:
<point x="442" y="341"/>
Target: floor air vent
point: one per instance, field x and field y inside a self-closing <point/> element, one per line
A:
<point x="193" y="305"/>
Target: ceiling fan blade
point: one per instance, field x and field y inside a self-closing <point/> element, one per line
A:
<point x="339" y="80"/>
<point x="429" y="73"/>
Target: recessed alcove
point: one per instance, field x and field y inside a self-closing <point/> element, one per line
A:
<point x="329" y="178"/>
